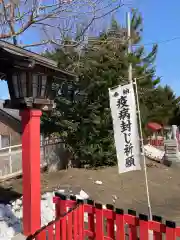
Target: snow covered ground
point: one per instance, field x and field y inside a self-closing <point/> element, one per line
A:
<point x="11" y="215"/>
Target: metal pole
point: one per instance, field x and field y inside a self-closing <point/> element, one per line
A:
<point x="129" y="45"/>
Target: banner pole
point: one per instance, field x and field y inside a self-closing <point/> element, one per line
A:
<point x="128" y="19"/>
<point x="143" y="152"/>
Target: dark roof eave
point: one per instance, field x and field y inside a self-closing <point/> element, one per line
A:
<point x="38" y="59"/>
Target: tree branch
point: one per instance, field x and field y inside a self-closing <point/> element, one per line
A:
<point x="52" y="16"/>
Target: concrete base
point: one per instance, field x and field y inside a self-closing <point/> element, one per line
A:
<point x="19" y="236"/>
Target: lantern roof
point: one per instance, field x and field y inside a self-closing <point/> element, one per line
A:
<point x="12" y="56"/>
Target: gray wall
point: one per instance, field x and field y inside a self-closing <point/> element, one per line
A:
<point x="56" y="156"/>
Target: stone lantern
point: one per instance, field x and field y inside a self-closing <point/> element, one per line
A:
<point x="33" y="82"/>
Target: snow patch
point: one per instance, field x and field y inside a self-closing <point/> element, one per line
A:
<point x="11" y="214"/>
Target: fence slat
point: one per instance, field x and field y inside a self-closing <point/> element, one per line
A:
<point x="56" y="201"/>
<point x="91" y="226"/>
<point x="170" y="230"/>
<point x="120" y="232"/>
<point x="63" y="223"/>
<point x="157" y="226"/>
<point x="75" y="224"/>
<point x="110" y="221"/>
<point x="99" y="222"/>
<point x="177" y="231"/>
<point x="131" y="220"/>
<point x="70" y="226"/>
<point x="143" y="227"/>
<point x="41" y="235"/>
<point x="157" y="236"/>
<point x="50" y="232"/>
<point x="57" y="230"/>
<point x="81" y="221"/>
<point x="61" y="202"/>
<point x="132" y="232"/>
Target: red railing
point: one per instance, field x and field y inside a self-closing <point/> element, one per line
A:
<point x="156" y="142"/>
<point x="102" y="224"/>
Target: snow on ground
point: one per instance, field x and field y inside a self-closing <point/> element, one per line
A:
<point x="11" y="214"/>
<point x="153" y="153"/>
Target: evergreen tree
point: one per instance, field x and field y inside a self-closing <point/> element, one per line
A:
<point x="82" y="117"/>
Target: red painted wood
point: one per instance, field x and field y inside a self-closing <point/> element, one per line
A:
<point x="143" y="230"/>
<point x="108" y="213"/>
<point x="63" y="228"/>
<point x="90" y="232"/>
<point x="120" y="231"/>
<point x="62" y="206"/>
<point x="81" y="221"/>
<point x="99" y="224"/>
<point x="70" y="203"/>
<point x="170" y="233"/>
<point x="70" y="226"/>
<point x="75" y="224"/>
<point x="156" y="142"/>
<point x="57" y="230"/>
<point x="157" y="236"/>
<point x="41" y="235"/>
<point x="91" y="225"/>
<point x="132" y="232"/>
<point x="110" y="223"/>
<point x="177" y="231"/>
<point x="107" y="238"/>
<point x="132" y="221"/>
<point x="57" y="202"/>
<point x="158" y="229"/>
<point x="31" y="170"/>
<point x="50" y="232"/>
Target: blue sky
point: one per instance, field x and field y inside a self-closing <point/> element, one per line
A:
<point x="161" y="22"/>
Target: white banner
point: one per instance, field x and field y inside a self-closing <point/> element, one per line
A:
<point x="123" y="110"/>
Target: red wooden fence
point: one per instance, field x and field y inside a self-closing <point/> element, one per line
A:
<point x="102" y="224"/>
<point x="156" y="142"/>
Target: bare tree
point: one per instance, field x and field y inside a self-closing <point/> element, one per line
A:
<point x="51" y="19"/>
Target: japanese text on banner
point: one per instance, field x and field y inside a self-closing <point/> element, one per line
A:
<point x="123" y="110"/>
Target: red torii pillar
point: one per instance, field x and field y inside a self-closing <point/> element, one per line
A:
<point x="31" y="170"/>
